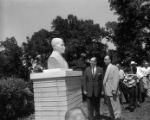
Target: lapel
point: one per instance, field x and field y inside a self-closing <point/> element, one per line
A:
<point x="107" y="73"/>
<point x="90" y="71"/>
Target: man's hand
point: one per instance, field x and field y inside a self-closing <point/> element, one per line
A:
<point x="114" y="93"/>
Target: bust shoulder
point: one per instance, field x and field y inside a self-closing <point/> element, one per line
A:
<point x="55" y="54"/>
<point x="56" y="60"/>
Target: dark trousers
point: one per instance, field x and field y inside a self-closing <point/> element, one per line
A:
<point x="133" y="98"/>
<point x="139" y="92"/>
<point x="124" y="90"/>
<point x="93" y="107"/>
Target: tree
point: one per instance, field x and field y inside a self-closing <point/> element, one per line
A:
<point x="129" y="35"/>
<point x="81" y="36"/>
<point x="38" y="44"/>
<point x="10" y="58"/>
<point x="110" y="28"/>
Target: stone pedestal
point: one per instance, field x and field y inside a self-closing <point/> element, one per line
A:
<point x="56" y="91"/>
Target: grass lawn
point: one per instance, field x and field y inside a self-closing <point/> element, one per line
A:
<point x="140" y="113"/>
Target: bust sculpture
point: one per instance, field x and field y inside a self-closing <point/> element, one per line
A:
<point x="56" y="59"/>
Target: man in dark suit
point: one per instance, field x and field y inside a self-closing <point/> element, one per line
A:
<point x="93" y="77"/>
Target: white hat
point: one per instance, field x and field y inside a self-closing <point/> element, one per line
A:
<point x="133" y="62"/>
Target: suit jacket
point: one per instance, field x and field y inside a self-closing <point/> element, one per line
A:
<point x="93" y="83"/>
<point x="111" y="80"/>
<point x="56" y="60"/>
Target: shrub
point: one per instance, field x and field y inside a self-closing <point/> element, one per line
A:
<point x="16" y="99"/>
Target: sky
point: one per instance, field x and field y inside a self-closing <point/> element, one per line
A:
<point x="21" y="18"/>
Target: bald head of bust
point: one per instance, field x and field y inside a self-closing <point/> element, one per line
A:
<point x="58" y="45"/>
<point x="75" y="114"/>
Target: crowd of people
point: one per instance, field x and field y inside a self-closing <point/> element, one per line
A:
<point x="120" y="85"/>
<point x="114" y="83"/>
<point x="134" y="84"/>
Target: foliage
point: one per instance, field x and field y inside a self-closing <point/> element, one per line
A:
<point x="80" y="36"/>
<point x="130" y="34"/>
<point x="11" y="62"/>
<point x="16" y="99"/>
<point x="38" y="44"/>
<point x="110" y="28"/>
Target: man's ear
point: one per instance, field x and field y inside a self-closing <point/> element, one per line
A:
<point x="55" y="47"/>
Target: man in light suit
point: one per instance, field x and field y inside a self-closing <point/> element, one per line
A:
<point x="56" y="59"/>
<point x="92" y="86"/>
<point x="111" y="84"/>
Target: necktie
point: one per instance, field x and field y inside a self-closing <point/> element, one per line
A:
<point x="93" y="71"/>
